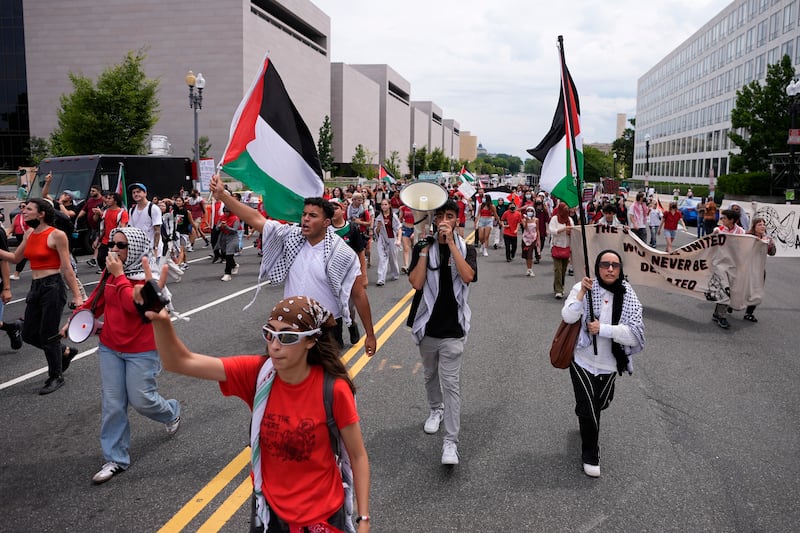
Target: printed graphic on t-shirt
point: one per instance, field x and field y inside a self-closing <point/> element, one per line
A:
<point x="285" y="443"/>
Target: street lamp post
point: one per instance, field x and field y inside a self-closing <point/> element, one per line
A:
<point x="196" y="103"/>
<point x="614" y="155"/>
<point x="646" y="162"/>
<point x="413" y="160"/>
<point x="792" y="90"/>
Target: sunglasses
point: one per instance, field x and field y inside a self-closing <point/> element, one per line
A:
<point x="120" y="245"/>
<point x="610" y="264"/>
<point x="286" y="338"/>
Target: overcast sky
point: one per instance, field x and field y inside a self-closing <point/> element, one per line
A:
<point x="493" y="65"/>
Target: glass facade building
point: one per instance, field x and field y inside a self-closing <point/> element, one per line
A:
<point x="684" y="102"/>
<point x="14" y="128"/>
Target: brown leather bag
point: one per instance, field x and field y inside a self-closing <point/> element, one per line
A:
<point x="564" y="344"/>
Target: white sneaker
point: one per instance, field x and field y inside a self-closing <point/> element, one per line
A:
<point x="433" y="421"/>
<point x="235" y="270"/>
<point x="591" y="470"/>
<point x="450" y="453"/>
<point x="559" y="295"/>
<point x="485" y="252"/>
<point x="528" y="272"/>
<point x="172" y="427"/>
<point x="226" y="277"/>
<point x="15" y="275"/>
<point x="109" y="470"/>
<point x="189" y="248"/>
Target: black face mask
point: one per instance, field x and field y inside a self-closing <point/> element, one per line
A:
<point x="33" y="223"/>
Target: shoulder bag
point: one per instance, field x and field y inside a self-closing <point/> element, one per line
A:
<point x="564" y="344"/>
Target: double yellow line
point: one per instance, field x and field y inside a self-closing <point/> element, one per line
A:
<point x="396" y="315"/>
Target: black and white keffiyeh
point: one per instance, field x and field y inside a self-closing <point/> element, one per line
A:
<point x="138" y="247"/>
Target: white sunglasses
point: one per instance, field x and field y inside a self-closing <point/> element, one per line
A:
<point x="286" y="338"/>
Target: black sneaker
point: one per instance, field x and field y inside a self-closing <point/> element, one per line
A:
<point x="354" y="334"/>
<point x="67" y="357"/>
<point x="51" y="385"/>
<point x="91" y="262"/>
<point x="721" y="321"/>
<point x="748" y="317"/>
<point x="16" y="335"/>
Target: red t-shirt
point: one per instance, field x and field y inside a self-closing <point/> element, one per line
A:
<point x="671" y="220"/>
<point x="123" y="329"/>
<point x="462" y="211"/>
<point x="90" y="204"/>
<point x="302" y="483"/>
<point x="110" y="221"/>
<point x="407" y="215"/>
<point x="513" y="218"/>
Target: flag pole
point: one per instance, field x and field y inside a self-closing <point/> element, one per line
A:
<point x="576" y="172"/>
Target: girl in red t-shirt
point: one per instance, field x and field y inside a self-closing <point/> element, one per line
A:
<point x="297" y="481"/>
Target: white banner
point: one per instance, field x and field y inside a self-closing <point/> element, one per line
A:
<point x="783" y="224"/>
<point x="719" y="268"/>
<point x="207" y="170"/>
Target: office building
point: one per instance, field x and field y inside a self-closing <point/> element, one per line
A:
<point x="684" y="102"/>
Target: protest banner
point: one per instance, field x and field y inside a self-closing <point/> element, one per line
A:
<point x="719" y="268"/>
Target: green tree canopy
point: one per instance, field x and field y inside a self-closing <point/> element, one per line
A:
<point x="762" y="111"/>
<point x="438" y="161"/>
<point x="623" y="147"/>
<point x="392" y="163"/>
<point x="595" y="164"/>
<point x="325" y="145"/>
<point x="532" y="166"/>
<point x="418" y="161"/>
<point x="115" y="116"/>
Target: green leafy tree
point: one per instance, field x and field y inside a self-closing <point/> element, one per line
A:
<point x="596" y="163"/>
<point x="392" y="163"/>
<point x="533" y="166"/>
<point x="204" y="145"/>
<point x="38" y="149"/>
<point x="762" y="112"/>
<point x="418" y="160"/>
<point x="359" y="162"/>
<point x="438" y="161"/>
<point x="115" y="116"/>
<point x="623" y="147"/>
<point x="325" y="145"/>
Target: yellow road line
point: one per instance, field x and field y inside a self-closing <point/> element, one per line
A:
<point x="360" y="344"/>
<point x="223" y="514"/>
<point x="207" y="493"/>
<point x="228" y="507"/>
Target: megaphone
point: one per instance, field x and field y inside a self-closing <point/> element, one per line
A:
<point x="423" y="196"/>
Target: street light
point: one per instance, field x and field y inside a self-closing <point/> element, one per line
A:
<point x="614" y="155"/>
<point x="792" y="90"/>
<point x="413" y="160"/>
<point x="646" y="162"/>
<point x="196" y="103"/>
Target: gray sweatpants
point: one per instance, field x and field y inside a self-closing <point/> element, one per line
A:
<point x="441" y="360"/>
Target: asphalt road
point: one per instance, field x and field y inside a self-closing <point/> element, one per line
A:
<point x="703" y="437"/>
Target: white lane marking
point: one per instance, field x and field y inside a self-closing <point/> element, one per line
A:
<point x="91" y="351"/>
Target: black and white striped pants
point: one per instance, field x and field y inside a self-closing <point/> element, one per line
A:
<point x="592" y="395"/>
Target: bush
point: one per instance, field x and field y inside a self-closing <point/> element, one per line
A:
<point x="752" y="183"/>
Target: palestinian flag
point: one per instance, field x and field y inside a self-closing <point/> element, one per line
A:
<point x="271" y="150"/>
<point x="560" y="170"/>
<point x="466" y="176"/>
<point x="121" y="189"/>
<point x="385" y="176"/>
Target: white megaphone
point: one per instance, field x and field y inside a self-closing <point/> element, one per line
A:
<point x="83" y="325"/>
<point x="426" y="197"/>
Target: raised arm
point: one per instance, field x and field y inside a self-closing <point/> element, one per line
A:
<point x="245" y="213"/>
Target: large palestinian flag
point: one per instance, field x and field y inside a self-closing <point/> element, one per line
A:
<point x="466" y="176"/>
<point x="383" y="175"/>
<point x="561" y="172"/>
<point x="271" y="150"/>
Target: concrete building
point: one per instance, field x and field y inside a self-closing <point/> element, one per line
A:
<point x="684" y="102"/>
<point x="355" y="112"/>
<point x="395" y="112"/>
<point x="431" y="116"/>
<point x="224" y="39"/>
<point x="622" y="124"/>
<point x="468" y="146"/>
<point x="451" y="144"/>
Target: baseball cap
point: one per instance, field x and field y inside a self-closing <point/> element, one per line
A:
<point x="137" y="186"/>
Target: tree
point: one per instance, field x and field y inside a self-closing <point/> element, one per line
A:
<point x="596" y="163"/>
<point x="359" y="162"/>
<point x="325" y="145"/>
<point x="418" y="161"/>
<point x="204" y="145"/>
<point x="115" y="116"/>
<point x="623" y="147"/>
<point x="38" y="149"/>
<point x="533" y="166"/>
<point x="392" y="163"/>
<point x="762" y="112"/>
<point x="438" y="161"/>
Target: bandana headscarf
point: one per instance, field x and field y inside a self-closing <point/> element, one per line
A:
<point x="138" y="247"/>
<point x="302" y="313"/>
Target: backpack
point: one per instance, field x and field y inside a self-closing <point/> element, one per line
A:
<point x="149" y="211"/>
<point x="339" y="453"/>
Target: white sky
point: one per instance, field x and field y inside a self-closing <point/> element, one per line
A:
<point x="493" y="65"/>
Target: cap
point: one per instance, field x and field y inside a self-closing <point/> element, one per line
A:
<point x="137" y="186"/>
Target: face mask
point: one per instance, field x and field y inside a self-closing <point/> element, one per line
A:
<point x="528" y="196"/>
<point x="33" y="223"/>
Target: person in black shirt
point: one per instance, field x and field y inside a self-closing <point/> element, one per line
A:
<point x="442" y="267"/>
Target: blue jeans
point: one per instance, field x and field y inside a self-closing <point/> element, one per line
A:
<point x="129" y="379"/>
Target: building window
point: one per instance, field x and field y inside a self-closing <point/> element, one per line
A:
<point x="762" y="32"/>
<point x="772" y="56"/>
<point x="788" y="17"/>
<point x="787" y="49"/>
<point x="774" y="25"/>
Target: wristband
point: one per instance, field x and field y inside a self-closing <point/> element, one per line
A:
<point x="365" y="518"/>
<point x="423" y="255"/>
